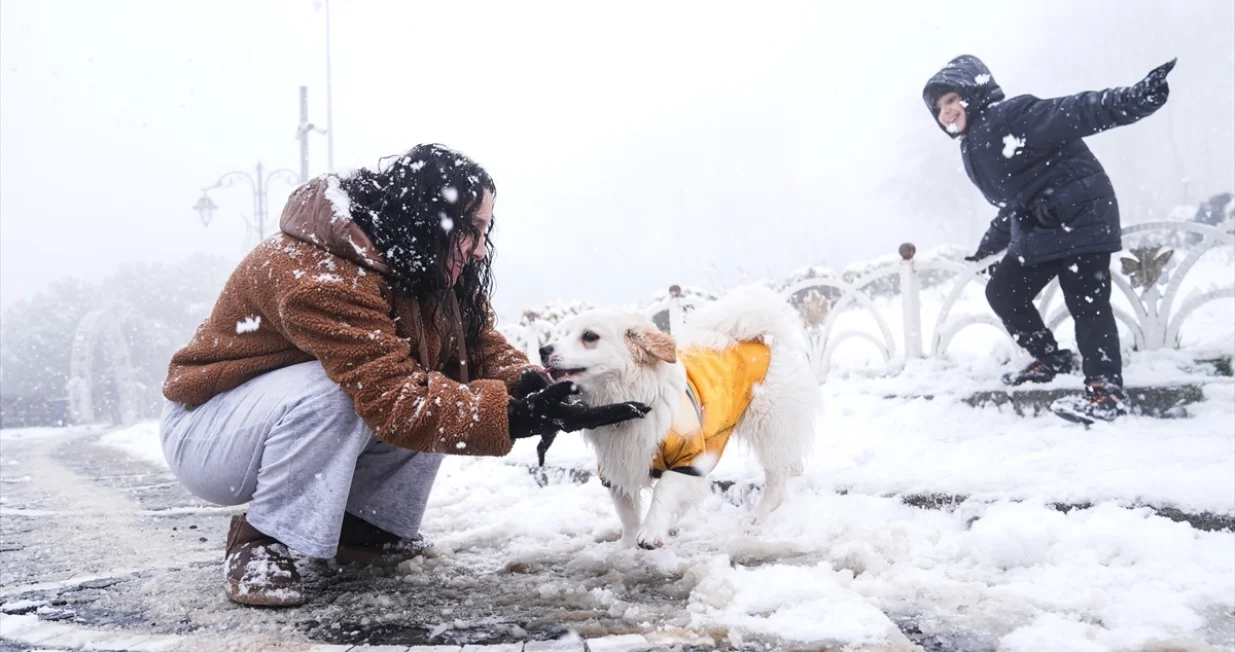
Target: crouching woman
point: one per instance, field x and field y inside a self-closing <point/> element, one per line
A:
<point x="345" y="356"/>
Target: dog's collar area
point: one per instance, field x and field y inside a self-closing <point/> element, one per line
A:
<point x="684" y="470"/>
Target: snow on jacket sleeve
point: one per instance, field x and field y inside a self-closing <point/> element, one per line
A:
<point x="355" y="339"/>
<point x="1076" y="116"/>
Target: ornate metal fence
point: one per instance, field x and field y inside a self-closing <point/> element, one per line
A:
<point x="1155" y="318"/>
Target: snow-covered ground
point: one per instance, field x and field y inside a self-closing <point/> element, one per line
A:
<point x="846" y="561"/>
<point x="1004" y="570"/>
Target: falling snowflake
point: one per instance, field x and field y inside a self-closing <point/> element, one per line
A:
<point x="450" y="194"/>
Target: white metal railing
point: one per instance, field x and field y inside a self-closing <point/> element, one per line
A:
<point x="1155" y="319"/>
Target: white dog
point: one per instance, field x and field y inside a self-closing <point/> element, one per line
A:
<point x="740" y="369"/>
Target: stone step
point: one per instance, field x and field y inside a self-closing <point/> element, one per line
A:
<point x="1160" y="402"/>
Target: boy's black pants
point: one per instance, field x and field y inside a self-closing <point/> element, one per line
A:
<point x="1086" y="285"/>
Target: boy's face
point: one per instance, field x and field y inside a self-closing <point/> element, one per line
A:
<point x="951" y="112"/>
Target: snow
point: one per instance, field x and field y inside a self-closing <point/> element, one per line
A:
<point x="17" y="434"/>
<point x="450" y="194"/>
<point x="827" y="567"/>
<point x="340" y="203"/>
<point x="982" y="79"/>
<point x="1012" y="145"/>
<point x="872" y="445"/>
<point x="249" y="324"/>
<point x="815" y="603"/>
<point x="140" y="441"/>
<point x="1004" y="568"/>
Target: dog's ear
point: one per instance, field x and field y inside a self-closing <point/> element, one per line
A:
<point x="648" y="345"/>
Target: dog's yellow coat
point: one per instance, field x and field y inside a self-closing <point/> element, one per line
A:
<point x="722" y="382"/>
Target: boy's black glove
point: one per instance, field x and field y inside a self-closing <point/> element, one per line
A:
<point x="546" y="410"/>
<point x="978" y="257"/>
<point x="1154" y="90"/>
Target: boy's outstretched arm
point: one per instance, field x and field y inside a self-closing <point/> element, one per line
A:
<point x="1091" y="112"/>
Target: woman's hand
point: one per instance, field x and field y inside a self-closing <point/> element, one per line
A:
<point x="529" y="381"/>
<point x="532" y="380"/>
<point x="539" y="409"/>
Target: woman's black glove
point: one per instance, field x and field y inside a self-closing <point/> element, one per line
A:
<point x="533" y="381"/>
<point x="537" y="410"/>
<point x="1154" y="90"/>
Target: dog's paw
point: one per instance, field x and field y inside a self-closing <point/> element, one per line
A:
<point x="651" y="545"/>
<point x="652" y="538"/>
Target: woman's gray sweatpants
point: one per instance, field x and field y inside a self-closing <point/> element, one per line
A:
<point x="289" y="443"/>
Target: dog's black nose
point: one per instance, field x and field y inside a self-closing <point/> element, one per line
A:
<point x="545" y="352"/>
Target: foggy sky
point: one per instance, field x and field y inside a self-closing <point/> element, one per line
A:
<point x="634" y="144"/>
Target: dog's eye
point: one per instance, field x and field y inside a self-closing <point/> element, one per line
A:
<point x="590" y="337"/>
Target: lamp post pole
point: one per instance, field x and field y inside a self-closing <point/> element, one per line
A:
<point x="329" y="99"/>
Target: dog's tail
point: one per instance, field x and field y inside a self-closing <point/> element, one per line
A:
<point x="748" y="313"/>
<point x="780" y="422"/>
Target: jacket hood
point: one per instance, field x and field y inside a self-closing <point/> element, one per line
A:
<point x="319" y="213"/>
<point x="969" y="77"/>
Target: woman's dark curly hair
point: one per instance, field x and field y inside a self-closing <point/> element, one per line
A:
<point x="417" y="209"/>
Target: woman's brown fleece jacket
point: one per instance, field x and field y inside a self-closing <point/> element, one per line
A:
<point x="319" y="292"/>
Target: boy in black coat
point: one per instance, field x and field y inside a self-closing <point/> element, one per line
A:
<point x="1057" y="214"/>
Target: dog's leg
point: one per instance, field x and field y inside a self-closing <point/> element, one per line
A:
<point x="674" y="495"/>
<point x="628" y="506"/>
<point x="773" y="495"/>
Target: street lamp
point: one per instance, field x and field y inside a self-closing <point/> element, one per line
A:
<point x="205" y="209"/>
<point x="260" y="184"/>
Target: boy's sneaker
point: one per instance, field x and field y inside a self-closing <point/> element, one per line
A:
<point x="1044" y="370"/>
<point x="1104" y="402"/>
